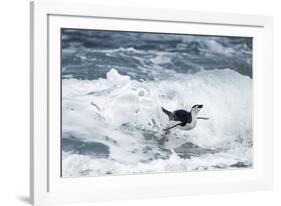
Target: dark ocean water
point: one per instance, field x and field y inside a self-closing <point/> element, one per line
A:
<point x="90" y="54"/>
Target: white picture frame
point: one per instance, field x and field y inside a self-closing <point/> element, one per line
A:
<point x="46" y="184"/>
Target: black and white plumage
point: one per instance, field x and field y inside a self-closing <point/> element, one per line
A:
<point x="186" y="120"/>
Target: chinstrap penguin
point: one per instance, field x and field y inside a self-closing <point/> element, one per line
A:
<point x="186" y="120"/>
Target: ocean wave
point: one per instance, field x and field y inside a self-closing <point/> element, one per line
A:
<point x="90" y="54"/>
<point x="123" y="116"/>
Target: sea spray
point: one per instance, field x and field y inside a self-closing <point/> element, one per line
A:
<point x="125" y="115"/>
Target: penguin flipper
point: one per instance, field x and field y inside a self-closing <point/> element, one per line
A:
<point x="167" y="129"/>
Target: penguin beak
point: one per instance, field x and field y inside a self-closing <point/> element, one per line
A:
<point x="200" y="106"/>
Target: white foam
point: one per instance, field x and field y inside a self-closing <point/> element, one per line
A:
<point x="104" y="110"/>
<point x="80" y="165"/>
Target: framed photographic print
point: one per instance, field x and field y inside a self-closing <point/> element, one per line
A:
<point x="138" y="103"/>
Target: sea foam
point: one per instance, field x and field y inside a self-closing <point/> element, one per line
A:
<point x="125" y="115"/>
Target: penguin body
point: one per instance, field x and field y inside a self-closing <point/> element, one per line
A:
<point x="182" y="118"/>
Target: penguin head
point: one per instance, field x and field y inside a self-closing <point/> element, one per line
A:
<point x="196" y="108"/>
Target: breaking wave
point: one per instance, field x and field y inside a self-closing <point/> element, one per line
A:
<point x="114" y="125"/>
